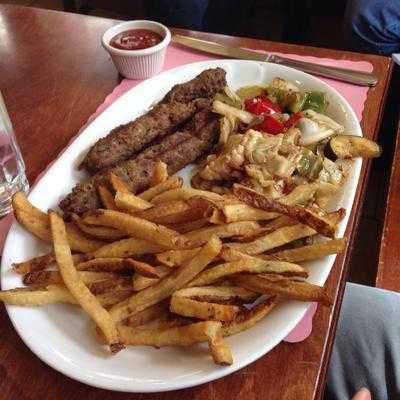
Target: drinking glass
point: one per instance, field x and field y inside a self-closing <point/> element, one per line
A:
<point x="12" y="172"/>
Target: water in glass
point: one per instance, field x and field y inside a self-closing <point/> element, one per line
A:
<point x="12" y="172"/>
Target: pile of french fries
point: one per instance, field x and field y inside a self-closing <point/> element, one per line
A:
<point x="175" y="266"/>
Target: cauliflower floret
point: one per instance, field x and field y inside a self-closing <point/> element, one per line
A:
<point x="261" y="179"/>
<point x="331" y="173"/>
<point x="265" y="150"/>
<point x="258" y="146"/>
<point x="226" y="164"/>
<point x="260" y="174"/>
<point x="276" y="154"/>
<point x="290" y="141"/>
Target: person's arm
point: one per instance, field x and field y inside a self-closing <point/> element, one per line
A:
<point x="362" y="394"/>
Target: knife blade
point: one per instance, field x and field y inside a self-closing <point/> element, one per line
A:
<point x="343" y="74"/>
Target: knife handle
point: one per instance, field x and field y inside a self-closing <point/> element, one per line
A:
<point x="342" y="74"/>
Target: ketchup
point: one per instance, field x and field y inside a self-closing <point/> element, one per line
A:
<point x="135" y="39"/>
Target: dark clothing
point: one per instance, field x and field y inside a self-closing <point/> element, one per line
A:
<point x="373" y="26"/>
<point x="187" y="14"/>
<point x="218" y="16"/>
<point x="366" y="352"/>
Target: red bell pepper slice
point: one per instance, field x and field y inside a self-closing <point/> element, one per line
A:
<point x="270" y="125"/>
<point x="261" y="105"/>
<point x="294" y="118"/>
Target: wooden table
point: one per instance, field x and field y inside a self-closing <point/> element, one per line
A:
<point x="388" y="276"/>
<point x="53" y="75"/>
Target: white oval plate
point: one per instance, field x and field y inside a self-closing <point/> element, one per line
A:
<point x="60" y="334"/>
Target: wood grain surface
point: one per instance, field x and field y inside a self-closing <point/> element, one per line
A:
<point x="388" y="276"/>
<point x="54" y="74"/>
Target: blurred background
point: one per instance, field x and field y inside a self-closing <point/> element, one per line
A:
<point x="306" y="22"/>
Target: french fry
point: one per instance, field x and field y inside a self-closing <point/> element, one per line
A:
<point x="250" y="265"/>
<point x="200" y="236"/>
<point x="166" y="286"/>
<point x="218" y="294"/>
<point x="306" y="253"/>
<point x="172" y="212"/>
<point x="251" y="235"/>
<point x="274" y="239"/>
<point x="118" y="184"/>
<point x="173" y="182"/>
<point x="34" y="296"/>
<point x="35" y="264"/>
<point x="95" y="276"/>
<point x="109" y="264"/>
<point x="106" y="198"/>
<point x="131" y="203"/>
<point x="79" y="257"/>
<point x="37" y="223"/>
<point x="143" y="268"/>
<point x="177" y="336"/>
<point x="165" y="213"/>
<point x="76" y="286"/>
<point x="21" y="203"/>
<point x="175" y="258"/>
<point x="336" y="216"/>
<point x="247" y="318"/>
<point x="284" y="287"/>
<point x="160" y="173"/>
<point x="230" y="209"/>
<point x="118" y="264"/>
<point x="301" y="214"/>
<point x="148" y="314"/>
<point x="136" y="227"/>
<point x="54" y="277"/>
<point x="220" y="351"/>
<point x="79" y="242"/>
<point x="37" y="296"/>
<point x="106" y="285"/>
<point x="279" y="222"/>
<point x="189" y="226"/>
<point x="203" y="204"/>
<point x="127" y="248"/>
<point x="301" y="194"/>
<point x="217" y="217"/>
<point x="202" y="310"/>
<point x="237" y="211"/>
<point x="33" y="225"/>
<point x="234" y="210"/>
<point x="114" y="296"/>
<point x="184" y="193"/>
<point x="219" y="187"/>
<point x="99" y="232"/>
<point x="140" y="282"/>
<point x="167" y="321"/>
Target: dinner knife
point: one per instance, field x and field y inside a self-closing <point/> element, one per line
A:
<point x="341" y="74"/>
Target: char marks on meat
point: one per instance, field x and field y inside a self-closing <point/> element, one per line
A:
<point x="176" y="150"/>
<point x="177" y="107"/>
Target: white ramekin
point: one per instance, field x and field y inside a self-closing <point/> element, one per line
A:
<point x="138" y="64"/>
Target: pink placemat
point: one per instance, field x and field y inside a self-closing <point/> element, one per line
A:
<point x="176" y="56"/>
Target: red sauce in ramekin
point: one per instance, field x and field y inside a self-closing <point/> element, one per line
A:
<point x="135" y="39"/>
